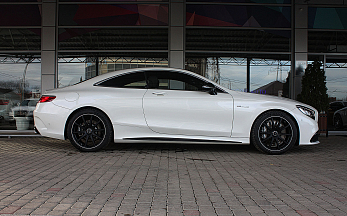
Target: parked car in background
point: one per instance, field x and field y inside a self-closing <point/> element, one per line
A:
<point x="340" y="118"/>
<point x="336" y="120"/>
<point x="336" y="105"/>
<point x="171" y="105"/>
<point x="25" y="109"/>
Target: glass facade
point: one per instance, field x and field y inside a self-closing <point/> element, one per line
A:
<point x="215" y="39"/>
<point x="246" y="74"/>
<point x="113" y="39"/>
<point x="20" y="39"/>
<point x="25" y="15"/>
<point x="238" y="16"/>
<point x="113" y="15"/>
<point x="327" y="18"/>
<point x="73" y="70"/>
<point x="20" y="62"/>
<point x="20" y="84"/>
<point x="244" y="45"/>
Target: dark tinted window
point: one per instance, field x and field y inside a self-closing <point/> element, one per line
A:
<point x="132" y="80"/>
<point x="173" y="81"/>
<point x="336" y="106"/>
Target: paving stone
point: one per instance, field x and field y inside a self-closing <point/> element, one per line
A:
<point x="42" y="176"/>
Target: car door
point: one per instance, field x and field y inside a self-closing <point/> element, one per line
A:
<point x="122" y="96"/>
<point x="175" y="103"/>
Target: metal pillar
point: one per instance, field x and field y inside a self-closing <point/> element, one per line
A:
<point x="48" y="46"/>
<point x="176" y="33"/>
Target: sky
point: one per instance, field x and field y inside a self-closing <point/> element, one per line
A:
<point x="10" y="72"/>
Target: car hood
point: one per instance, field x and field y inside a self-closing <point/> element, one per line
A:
<point x="266" y="98"/>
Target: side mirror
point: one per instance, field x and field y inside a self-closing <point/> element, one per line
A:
<point x="210" y="88"/>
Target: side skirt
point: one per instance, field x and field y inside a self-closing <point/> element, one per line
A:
<point x="163" y="139"/>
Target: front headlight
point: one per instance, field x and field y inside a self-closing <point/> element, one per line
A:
<point x="307" y="111"/>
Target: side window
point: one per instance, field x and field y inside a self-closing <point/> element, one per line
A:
<point x="336" y="106"/>
<point x="132" y="80"/>
<point x="173" y="81"/>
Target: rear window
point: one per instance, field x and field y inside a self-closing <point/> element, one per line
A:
<point x="132" y="80"/>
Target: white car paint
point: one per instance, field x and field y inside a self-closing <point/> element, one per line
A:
<point x="162" y="113"/>
<point x="191" y="113"/>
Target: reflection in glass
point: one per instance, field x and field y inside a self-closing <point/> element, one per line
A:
<point x="327" y="41"/>
<point x="229" y="72"/>
<point x="267" y="76"/>
<point x="238" y="40"/>
<point x="20" y="15"/>
<point x="20" y="39"/>
<point x="20" y="89"/>
<point x="238" y="15"/>
<point x="113" y="39"/>
<point x="336" y="83"/>
<point x="72" y="70"/>
<point x="113" y="15"/>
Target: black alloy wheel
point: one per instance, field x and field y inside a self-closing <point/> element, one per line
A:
<point x="90" y="130"/>
<point x="274" y="132"/>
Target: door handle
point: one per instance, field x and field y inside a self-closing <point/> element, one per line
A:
<point x="158" y="93"/>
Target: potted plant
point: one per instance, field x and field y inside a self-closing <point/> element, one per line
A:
<point x="314" y="92"/>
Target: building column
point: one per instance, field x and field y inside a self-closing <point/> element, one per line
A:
<point x="48" y="46"/>
<point x="176" y="34"/>
<point x="301" y="45"/>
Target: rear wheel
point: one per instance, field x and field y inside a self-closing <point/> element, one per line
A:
<point x="89" y="130"/>
<point x="274" y="132"/>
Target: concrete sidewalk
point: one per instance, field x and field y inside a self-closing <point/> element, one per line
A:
<point x="42" y="176"/>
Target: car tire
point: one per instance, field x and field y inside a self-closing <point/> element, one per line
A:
<point x="274" y="132"/>
<point x="338" y="124"/>
<point x="89" y="130"/>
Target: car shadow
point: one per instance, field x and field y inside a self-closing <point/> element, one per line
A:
<point x="65" y="146"/>
<point x="179" y="147"/>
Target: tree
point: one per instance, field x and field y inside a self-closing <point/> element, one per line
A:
<point x="314" y="90"/>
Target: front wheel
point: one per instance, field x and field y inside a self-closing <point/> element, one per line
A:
<point x="89" y="130"/>
<point x="274" y="132"/>
<point x="338" y="124"/>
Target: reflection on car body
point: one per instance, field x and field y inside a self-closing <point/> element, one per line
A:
<point x="171" y="105"/>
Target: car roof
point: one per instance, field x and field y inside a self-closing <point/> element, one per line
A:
<point x="109" y="75"/>
<point x="95" y="80"/>
<point x="116" y="73"/>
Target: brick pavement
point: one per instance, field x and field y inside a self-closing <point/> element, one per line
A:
<point x="42" y="176"/>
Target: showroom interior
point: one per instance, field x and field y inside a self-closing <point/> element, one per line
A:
<point x="256" y="46"/>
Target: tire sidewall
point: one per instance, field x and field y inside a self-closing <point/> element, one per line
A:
<point x="108" y="129"/>
<point x="255" y="140"/>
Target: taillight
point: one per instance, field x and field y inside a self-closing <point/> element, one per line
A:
<point x="46" y="98"/>
<point x="4" y="102"/>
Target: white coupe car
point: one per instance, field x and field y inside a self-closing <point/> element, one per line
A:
<point x="171" y="105"/>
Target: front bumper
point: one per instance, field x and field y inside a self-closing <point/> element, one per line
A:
<point x="315" y="137"/>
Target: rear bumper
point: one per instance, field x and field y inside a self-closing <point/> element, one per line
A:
<point x="36" y="131"/>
